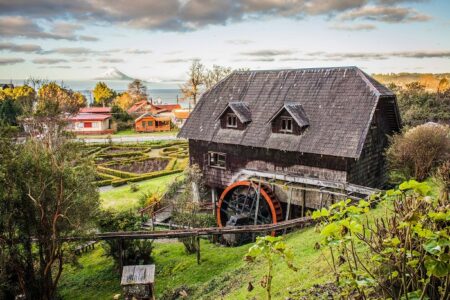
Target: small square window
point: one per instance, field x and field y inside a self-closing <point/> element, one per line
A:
<point x="231" y="121"/>
<point x="217" y="160"/>
<point x="150" y="123"/>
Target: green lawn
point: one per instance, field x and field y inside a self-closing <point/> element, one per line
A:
<point x="222" y="271"/>
<point x="121" y="198"/>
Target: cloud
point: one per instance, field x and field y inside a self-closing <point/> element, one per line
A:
<point x="10" y="61"/>
<point x="19" y="26"/>
<point x="179" y="60"/>
<point x="20" y="48"/>
<point x="88" y="38"/>
<point x="74" y="51"/>
<point x="356" y="27"/>
<point x="186" y="15"/>
<point x="386" y="14"/>
<point x="138" y="51"/>
<point x="111" y="60"/>
<point x="268" y="53"/>
<point x="377" y="55"/>
<point x="48" y="61"/>
<point x="55" y="67"/>
<point x="239" y="42"/>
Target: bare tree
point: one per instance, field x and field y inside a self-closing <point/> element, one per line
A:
<point x="192" y="88"/>
<point x="216" y="74"/>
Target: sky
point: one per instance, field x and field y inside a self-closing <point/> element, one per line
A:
<point x="156" y="40"/>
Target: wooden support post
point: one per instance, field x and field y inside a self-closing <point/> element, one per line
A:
<point x="214" y="200"/>
<point x="198" y="250"/>
<point x="321" y="199"/>
<point x="303" y="202"/>
<point x="121" y="246"/>
<point x="258" y="196"/>
<point x="288" y="210"/>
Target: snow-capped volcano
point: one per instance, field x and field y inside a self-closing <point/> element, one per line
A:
<point x="113" y="74"/>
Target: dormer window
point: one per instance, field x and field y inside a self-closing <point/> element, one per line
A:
<point x="286" y="125"/>
<point x="236" y="116"/>
<point x="231" y="120"/>
<point x="291" y="118"/>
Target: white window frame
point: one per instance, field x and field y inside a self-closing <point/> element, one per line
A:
<point x="217" y="160"/>
<point x="288" y="124"/>
<point x="231" y="120"/>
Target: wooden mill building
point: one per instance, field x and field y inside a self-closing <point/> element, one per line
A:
<point x="323" y="130"/>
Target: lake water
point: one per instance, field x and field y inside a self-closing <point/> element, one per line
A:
<point x="160" y="93"/>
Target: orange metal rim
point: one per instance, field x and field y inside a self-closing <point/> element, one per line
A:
<point x="245" y="183"/>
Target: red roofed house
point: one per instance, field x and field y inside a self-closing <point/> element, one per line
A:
<point x="150" y="123"/>
<point x="146" y="106"/>
<point x="96" y="110"/>
<point x="91" y="123"/>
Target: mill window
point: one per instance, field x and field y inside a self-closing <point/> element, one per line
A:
<point x="286" y="125"/>
<point x="231" y="121"/>
<point x="217" y="160"/>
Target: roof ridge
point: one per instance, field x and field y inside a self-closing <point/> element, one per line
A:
<point x="298" y="69"/>
<point x="364" y="77"/>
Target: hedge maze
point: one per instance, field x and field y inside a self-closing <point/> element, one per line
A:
<point x="124" y="163"/>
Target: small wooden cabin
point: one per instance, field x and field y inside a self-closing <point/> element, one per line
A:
<point x="150" y="123"/>
<point x="318" y="127"/>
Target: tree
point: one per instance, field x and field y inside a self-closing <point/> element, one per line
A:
<point x="214" y="75"/>
<point x="54" y="100"/>
<point x="137" y="90"/>
<point x="415" y="153"/>
<point x="270" y="247"/>
<point x="46" y="194"/>
<point x="103" y="94"/>
<point x="24" y="96"/>
<point x="9" y="111"/>
<point x="124" y="101"/>
<point x="192" y="88"/>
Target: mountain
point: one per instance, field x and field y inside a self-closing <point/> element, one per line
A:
<point x="113" y="74"/>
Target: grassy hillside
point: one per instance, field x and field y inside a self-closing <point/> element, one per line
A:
<point x="222" y="272"/>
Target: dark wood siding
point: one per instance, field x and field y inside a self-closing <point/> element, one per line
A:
<point x="268" y="160"/>
<point x="371" y="168"/>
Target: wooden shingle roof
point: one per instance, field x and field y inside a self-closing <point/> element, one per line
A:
<point x="339" y="104"/>
<point x="241" y="110"/>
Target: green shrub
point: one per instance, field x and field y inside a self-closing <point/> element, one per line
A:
<point x="134" y="188"/>
<point x="404" y="254"/>
<point x="135" y="252"/>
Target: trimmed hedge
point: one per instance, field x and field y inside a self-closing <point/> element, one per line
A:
<point x="145" y="177"/>
<point x="103" y="182"/>
<point x="171" y="164"/>
<point x="117" y="173"/>
<point x="105" y="176"/>
<point x="124" y="154"/>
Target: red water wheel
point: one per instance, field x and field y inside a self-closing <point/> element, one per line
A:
<point x="238" y="205"/>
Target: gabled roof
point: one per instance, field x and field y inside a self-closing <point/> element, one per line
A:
<point x="167" y="107"/>
<point x="241" y="111"/>
<point x="137" y="106"/>
<point x="150" y="115"/>
<point x="95" y="110"/>
<point x="296" y="111"/>
<point x="339" y="104"/>
<point x="88" y="117"/>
